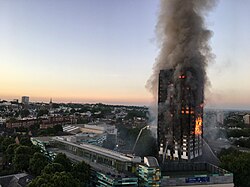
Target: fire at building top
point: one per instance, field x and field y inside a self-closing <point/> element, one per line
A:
<point x="180" y="113"/>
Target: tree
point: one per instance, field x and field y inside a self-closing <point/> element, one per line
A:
<point x="64" y="161"/>
<point x="6" y="142"/>
<point x="81" y="171"/>
<point x="42" y="112"/>
<point x="58" y="179"/>
<point x="25" y="113"/>
<point x="64" y="179"/>
<point x="25" y="141"/>
<point x="10" y="152"/>
<point x="37" y="163"/>
<point x="72" y="111"/>
<point x="58" y="128"/>
<point x="21" y="158"/>
<point x="53" y="168"/>
<point x="239" y="164"/>
<point x="135" y="113"/>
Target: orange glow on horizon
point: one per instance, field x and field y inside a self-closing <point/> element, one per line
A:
<point x="64" y="97"/>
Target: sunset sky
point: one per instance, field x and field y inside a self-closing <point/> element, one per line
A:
<point x="104" y="51"/>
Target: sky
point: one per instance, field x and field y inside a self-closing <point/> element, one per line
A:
<point x="103" y="51"/>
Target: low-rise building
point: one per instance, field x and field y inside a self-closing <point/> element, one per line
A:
<point x="149" y="172"/>
<point x="246" y="119"/>
<point x="15" y="180"/>
<point x="111" y="168"/>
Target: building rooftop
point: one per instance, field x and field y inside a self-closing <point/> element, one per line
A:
<point x="43" y="138"/>
<point x="15" y="180"/>
<point x="151" y="161"/>
<point x="99" y="150"/>
<point x="98" y="167"/>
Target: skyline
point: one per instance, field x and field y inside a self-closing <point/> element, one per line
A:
<point x="93" y="51"/>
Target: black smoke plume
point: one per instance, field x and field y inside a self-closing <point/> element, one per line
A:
<point x="183" y="41"/>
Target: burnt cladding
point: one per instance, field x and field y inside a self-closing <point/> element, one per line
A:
<point x="180" y="113"/>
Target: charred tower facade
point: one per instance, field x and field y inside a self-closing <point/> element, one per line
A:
<point x="180" y="115"/>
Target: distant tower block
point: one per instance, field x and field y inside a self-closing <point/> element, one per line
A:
<point x="180" y="116"/>
<point x="25" y="100"/>
<point x="51" y="103"/>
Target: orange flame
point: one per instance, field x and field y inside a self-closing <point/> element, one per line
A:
<point x="198" y="125"/>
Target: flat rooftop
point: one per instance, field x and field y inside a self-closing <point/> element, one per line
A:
<point x="43" y="138"/>
<point x="99" y="150"/>
<point x="98" y="167"/>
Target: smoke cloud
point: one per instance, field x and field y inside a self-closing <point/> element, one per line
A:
<point x="183" y="41"/>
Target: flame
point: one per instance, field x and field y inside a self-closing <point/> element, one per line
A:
<point x="198" y="125"/>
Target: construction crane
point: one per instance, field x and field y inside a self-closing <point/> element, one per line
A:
<point x="146" y="127"/>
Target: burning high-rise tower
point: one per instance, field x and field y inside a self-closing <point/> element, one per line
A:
<point x="179" y="76"/>
<point x="180" y="113"/>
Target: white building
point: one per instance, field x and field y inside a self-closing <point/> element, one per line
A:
<point x="2" y="120"/>
<point x="220" y="117"/>
<point x="246" y="119"/>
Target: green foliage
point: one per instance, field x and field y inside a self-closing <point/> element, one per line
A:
<point x="81" y="171"/>
<point x="21" y="158"/>
<point x="5" y="142"/>
<point x="84" y="109"/>
<point x="12" y="120"/>
<point x="234" y="120"/>
<point x="64" y="161"/>
<point x="35" y="149"/>
<point x="16" y="156"/>
<point x="10" y="152"/>
<point x="238" y="133"/>
<point x="72" y="111"/>
<point x="21" y="129"/>
<point x="58" y="128"/>
<point x="17" y="113"/>
<point x="230" y="150"/>
<point x="243" y="143"/>
<point x="42" y="112"/>
<point x="37" y="163"/>
<point x="53" y="168"/>
<point x="64" y="179"/>
<point x="58" y="179"/>
<point x="25" y="141"/>
<point x="1" y="140"/>
<point x="24" y="113"/>
<point x="136" y="113"/>
<point x="239" y="164"/>
<point x="55" y="105"/>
